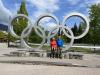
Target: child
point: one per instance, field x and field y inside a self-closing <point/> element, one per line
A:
<point x="53" y="45"/>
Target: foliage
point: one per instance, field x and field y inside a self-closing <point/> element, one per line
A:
<point x="95" y="23"/>
<point x="20" y="23"/>
<point x="33" y="37"/>
<point x="2" y="34"/>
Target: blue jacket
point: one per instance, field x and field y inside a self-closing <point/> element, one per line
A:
<point x="59" y="42"/>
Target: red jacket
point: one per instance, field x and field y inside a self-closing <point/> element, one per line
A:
<point x="53" y="44"/>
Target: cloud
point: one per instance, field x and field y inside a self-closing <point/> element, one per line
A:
<point x="73" y="2"/>
<point x="91" y="2"/>
<point x="15" y="9"/>
<point x="48" y="26"/>
<point x="81" y="4"/>
<point x="97" y="1"/>
<point x="50" y="5"/>
<point x="4" y="14"/>
<point x="87" y="2"/>
<point x="43" y="6"/>
<point x="47" y="23"/>
<point x="51" y="25"/>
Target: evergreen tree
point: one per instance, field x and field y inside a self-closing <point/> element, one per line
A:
<point x="80" y="31"/>
<point x="33" y="37"/>
<point x="82" y="27"/>
<point x="22" y="9"/>
<point x="20" y="23"/>
<point x="75" y="29"/>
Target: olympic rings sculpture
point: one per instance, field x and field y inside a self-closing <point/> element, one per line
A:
<point x="43" y="35"/>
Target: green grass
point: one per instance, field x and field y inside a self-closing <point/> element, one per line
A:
<point x="47" y="48"/>
<point x="84" y="50"/>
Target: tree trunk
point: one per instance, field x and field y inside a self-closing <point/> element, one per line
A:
<point x="94" y="48"/>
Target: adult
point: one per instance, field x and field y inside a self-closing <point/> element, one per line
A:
<point x="53" y="46"/>
<point x="59" y="47"/>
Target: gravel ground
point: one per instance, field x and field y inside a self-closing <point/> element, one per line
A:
<point x="20" y="69"/>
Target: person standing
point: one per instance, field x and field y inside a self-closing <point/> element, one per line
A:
<point x="53" y="46"/>
<point x="59" y="47"/>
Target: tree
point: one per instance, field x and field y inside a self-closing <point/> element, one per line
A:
<point x="33" y="37"/>
<point x="3" y="37"/>
<point x="80" y="31"/>
<point x="20" y="23"/>
<point x="95" y="24"/>
<point x="22" y="9"/>
<point x="82" y="27"/>
<point x="10" y="39"/>
<point x="75" y="31"/>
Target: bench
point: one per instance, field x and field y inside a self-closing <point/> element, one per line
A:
<point x="17" y="53"/>
<point x="75" y="55"/>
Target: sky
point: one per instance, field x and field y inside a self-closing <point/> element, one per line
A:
<point x="59" y="8"/>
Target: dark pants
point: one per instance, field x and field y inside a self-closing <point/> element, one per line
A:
<point x="53" y="53"/>
<point x="59" y="52"/>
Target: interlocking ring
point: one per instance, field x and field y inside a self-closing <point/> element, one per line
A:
<point x="70" y="32"/>
<point x="55" y="30"/>
<point x="11" y="26"/>
<point x="44" y="16"/>
<point x="82" y="17"/>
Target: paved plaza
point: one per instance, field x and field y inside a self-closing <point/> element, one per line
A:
<point x="89" y="60"/>
<point x="18" y="69"/>
<point x="90" y="65"/>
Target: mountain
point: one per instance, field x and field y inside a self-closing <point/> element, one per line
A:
<point x="3" y="27"/>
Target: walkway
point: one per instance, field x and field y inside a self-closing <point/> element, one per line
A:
<point x="19" y="69"/>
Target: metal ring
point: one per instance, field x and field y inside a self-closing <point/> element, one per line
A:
<point x="81" y="16"/>
<point x="29" y="28"/>
<point x="41" y="17"/>
<point x="71" y="33"/>
<point x="11" y="26"/>
<point x="24" y="44"/>
<point x="72" y="37"/>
